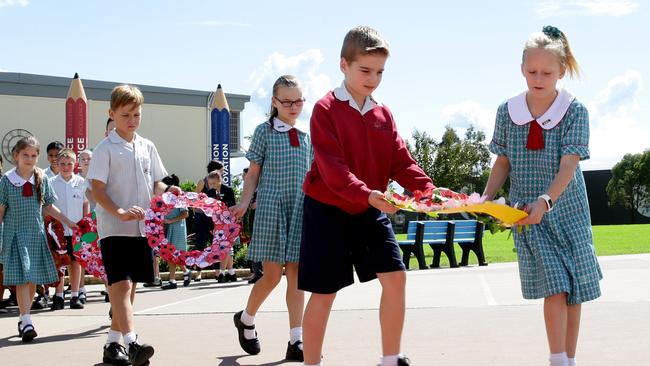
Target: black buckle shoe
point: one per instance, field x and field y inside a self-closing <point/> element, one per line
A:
<point x="139" y="354"/>
<point x="28" y="333"/>
<point x="403" y="361"/>
<point x="187" y="276"/>
<point x="39" y="303"/>
<point x="250" y="346"/>
<point x="115" y="354"/>
<point x="170" y="286"/>
<point x="58" y="303"/>
<point x="294" y="353"/>
<point x="221" y="278"/>
<point x="75" y="303"/>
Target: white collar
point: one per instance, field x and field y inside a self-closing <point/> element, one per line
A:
<point x="281" y="126"/>
<point x="115" y="138"/>
<point x="520" y="115"/>
<point x="341" y="93"/>
<point x="73" y="180"/>
<point x="17" y="180"/>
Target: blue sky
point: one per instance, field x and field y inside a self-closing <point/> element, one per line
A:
<point x="452" y="63"/>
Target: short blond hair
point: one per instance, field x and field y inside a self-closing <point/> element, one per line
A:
<point x="124" y="95"/>
<point x="66" y="153"/>
<point x="363" y="40"/>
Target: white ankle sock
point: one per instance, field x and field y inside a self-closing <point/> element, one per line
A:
<point x="59" y="294"/>
<point x="558" y="359"/>
<point x="572" y="362"/>
<point x="26" y="319"/>
<point x="248" y="319"/>
<point x="231" y="271"/>
<point x="129" y="338"/>
<point x="389" y="360"/>
<point x="74" y="294"/>
<point x="113" y="336"/>
<point x="82" y="290"/>
<point x="295" y="335"/>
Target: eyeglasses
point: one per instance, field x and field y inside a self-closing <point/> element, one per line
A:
<point x="290" y="103"/>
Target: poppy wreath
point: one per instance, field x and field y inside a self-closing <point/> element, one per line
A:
<point x="224" y="235"/>
<point x="85" y="246"/>
<point x="56" y="241"/>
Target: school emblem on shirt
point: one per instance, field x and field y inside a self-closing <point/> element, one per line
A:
<point x="381" y="125"/>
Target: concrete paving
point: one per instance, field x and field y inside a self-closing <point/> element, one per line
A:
<point x="465" y="316"/>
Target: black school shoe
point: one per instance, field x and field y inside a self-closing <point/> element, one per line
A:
<point x="75" y="303"/>
<point x="115" y="354"/>
<point x="139" y="354"/>
<point x="58" y="303"/>
<point x="28" y="333"/>
<point x="231" y="277"/>
<point x="82" y="298"/>
<point x="39" y="303"/>
<point x="187" y="276"/>
<point x="170" y="286"/>
<point x="294" y="353"/>
<point x="250" y="346"/>
<point x="157" y="282"/>
<point x="221" y="278"/>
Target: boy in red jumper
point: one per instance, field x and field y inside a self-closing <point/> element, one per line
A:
<point x="357" y="150"/>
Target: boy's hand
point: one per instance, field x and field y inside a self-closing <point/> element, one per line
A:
<point x="238" y="210"/>
<point x="535" y="212"/>
<point x="133" y="213"/>
<point x="376" y="200"/>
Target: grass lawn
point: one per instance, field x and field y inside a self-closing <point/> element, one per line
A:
<point x="609" y="240"/>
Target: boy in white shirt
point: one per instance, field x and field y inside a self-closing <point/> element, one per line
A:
<point x="125" y="173"/>
<point x="69" y="189"/>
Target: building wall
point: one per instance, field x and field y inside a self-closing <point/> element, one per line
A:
<point x="179" y="132"/>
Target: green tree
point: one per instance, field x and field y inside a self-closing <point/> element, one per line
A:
<point x="453" y="163"/>
<point x="630" y="183"/>
<point x="423" y="151"/>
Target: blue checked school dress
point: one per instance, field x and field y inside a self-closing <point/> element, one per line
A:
<point x="278" y="219"/>
<point x="25" y="254"/>
<point x="557" y="255"/>
<point x="176" y="232"/>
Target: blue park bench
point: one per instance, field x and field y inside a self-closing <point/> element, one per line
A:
<point x="441" y="236"/>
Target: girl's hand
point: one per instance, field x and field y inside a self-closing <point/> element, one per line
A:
<point x="239" y="210"/>
<point x="376" y="200"/>
<point x="536" y="211"/>
<point x="166" y="221"/>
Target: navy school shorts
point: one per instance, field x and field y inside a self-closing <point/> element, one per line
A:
<point x="127" y="258"/>
<point x="335" y="244"/>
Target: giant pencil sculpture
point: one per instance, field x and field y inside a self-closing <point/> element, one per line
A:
<point x="220" y="131"/>
<point x="76" y="113"/>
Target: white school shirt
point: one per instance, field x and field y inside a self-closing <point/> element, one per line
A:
<point x="341" y="93"/>
<point x="129" y="171"/>
<point x="49" y="173"/>
<point x="70" y="197"/>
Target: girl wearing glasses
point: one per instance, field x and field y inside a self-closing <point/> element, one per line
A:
<point x="280" y="155"/>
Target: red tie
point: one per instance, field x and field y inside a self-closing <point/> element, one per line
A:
<point x="535" y="136"/>
<point x="27" y="190"/>
<point x="293" y="137"/>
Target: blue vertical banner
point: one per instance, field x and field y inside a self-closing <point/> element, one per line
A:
<point x="220" y="132"/>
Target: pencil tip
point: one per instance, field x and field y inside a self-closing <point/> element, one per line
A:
<point x="219" y="86"/>
<point x="76" y="76"/>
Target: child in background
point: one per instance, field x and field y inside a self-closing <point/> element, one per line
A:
<point x="25" y="195"/>
<point x="69" y="190"/>
<point x="53" y="149"/>
<point x="224" y="193"/>
<point x="540" y="136"/>
<point x="176" y="233"/>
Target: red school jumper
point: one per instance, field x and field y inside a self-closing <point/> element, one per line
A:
<point x="355" y="154"/>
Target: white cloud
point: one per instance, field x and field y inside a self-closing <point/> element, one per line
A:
<point x="3" y="70"/>
<point x="550" y="8"/>
<point x="616" y="127"/>
<point x="219" y="23"/>
<point x="305" y="66"/>
<point x="621" y="95"/>
<point x="464" y="114"/>
<point x="12" y="3"/>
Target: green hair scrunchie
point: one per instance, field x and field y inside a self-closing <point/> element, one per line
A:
<point x="552" y="32"/>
